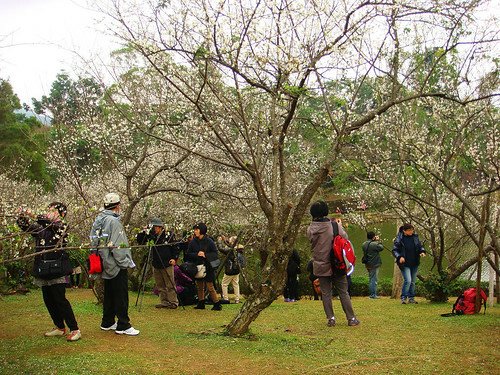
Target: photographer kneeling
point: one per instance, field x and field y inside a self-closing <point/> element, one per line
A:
<point x="164" y="258"/>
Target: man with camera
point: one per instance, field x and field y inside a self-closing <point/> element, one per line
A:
<point x="164" y="255"/>
<point x="371" y="258"/>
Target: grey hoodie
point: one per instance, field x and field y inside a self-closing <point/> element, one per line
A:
<point x="107" y="230"/>
<point x="320" y="234"/>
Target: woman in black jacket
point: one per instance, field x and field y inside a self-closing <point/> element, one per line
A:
<point x="49" y="232"/>
<point x="291" y="291"/>
<point x="202" y="251"/>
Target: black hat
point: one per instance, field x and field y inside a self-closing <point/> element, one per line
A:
<point x="202" y="227"/>
<point x="319" y="209"/>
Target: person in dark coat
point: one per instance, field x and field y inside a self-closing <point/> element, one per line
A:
<point x="407" y="250"/>
<point x="202" y="251"/>
<point x="50" y="231"/>
<point x="371" y="258"/>
<point x="164" y="254"/>
<point x="291" y="291"/>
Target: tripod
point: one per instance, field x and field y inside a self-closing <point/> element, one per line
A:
<point x="142" y="284"/>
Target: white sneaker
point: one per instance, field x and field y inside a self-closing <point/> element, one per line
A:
<point x="129" y="331"/>
<point x="55" y="332"/>
<point x="110" y="328"/>
<point x="74" y="335"/>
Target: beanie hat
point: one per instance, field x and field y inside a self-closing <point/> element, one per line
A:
<point x="111" y="200"/>
<point x="202" y="227"/>
<point x="319" y="209"/>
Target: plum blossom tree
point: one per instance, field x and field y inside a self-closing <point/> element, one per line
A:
<point x="435" y="163"/>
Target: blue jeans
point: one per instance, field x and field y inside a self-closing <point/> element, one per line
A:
<point x="409" y="276"/>
<point x="373" y="275"/>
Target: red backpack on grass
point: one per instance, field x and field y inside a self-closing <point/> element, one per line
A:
<point x="343" y="258"/>
<point x="466" y="303"/>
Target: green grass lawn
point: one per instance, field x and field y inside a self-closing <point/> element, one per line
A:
<point x="286" y="338"/>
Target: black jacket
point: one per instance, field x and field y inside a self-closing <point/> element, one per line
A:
<point x="293" y="267"/>
<point x="48" y="235"/>
<point x="399" y="250"/>
<point x="207" y="245"/>
<point x="163" y="251"/>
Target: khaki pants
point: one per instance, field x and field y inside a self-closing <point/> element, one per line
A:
<point x="231" y="279"/>
<point x="164" y="279"/>
<point x="200" y="285"/>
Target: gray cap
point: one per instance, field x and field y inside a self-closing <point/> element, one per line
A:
<point x="156" y="222"/>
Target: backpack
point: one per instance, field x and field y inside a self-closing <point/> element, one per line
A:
<point x="466" y="302"/>
<point x="232" y="266"/>
<point x="241" y="260"/>
<point x="189" y="269"/>
<point x="342" y="256"/>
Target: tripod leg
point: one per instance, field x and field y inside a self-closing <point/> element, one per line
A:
<point x="142" y="283"/>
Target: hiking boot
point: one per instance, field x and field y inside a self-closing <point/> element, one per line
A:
<point x="74" y="335"/>
<point x="200" y="305"/>
<point x="55" y="332"/>
<point x="353" y="322"/>
<point x="217" y="306"/>
<point x="110" y="328"/>
<point x="129" y="332"/>
<point x="403" y="301"/>
<point x="331" y="322"/>
<point x="412" y="300"/>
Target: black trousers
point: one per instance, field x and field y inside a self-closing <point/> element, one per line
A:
<point x="116" y="302"/>
<point x="60" y="309"/>
<point x="291" y="290"/>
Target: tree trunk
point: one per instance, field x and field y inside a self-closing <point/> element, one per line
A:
<point x="251" y="309"/>
<point x="497" y="283"/>
<point x="397" y="282"/>
<point x="98" y="287"/>
<point x="264" y="295"/>
<point x="492" y="283"/>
